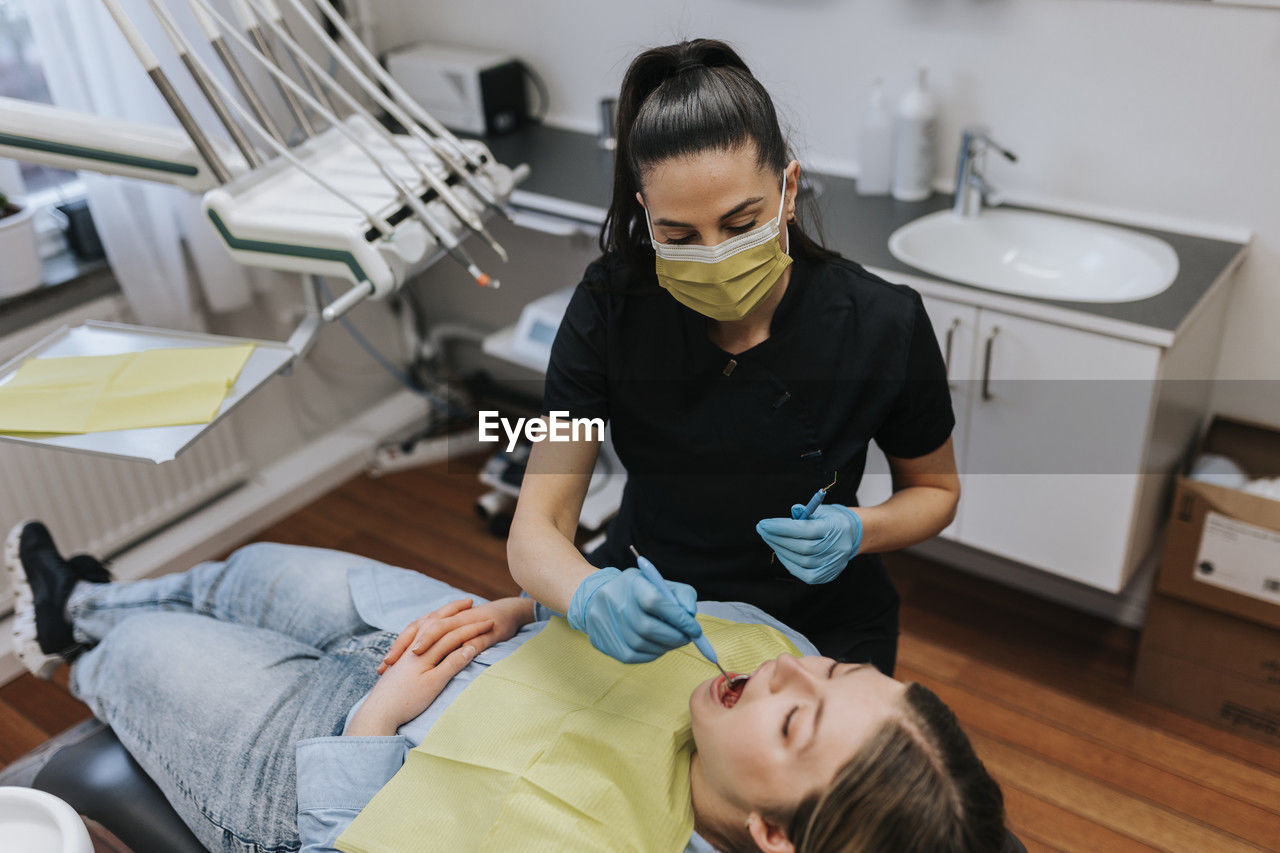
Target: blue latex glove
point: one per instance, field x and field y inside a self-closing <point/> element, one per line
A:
<point x="629" y="619"/>
<point x="816" y="549"/>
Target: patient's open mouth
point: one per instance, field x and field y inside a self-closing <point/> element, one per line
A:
<point x="728" y="692"/>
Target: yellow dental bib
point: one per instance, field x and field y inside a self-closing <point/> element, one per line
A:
<point x="559" y="747"/>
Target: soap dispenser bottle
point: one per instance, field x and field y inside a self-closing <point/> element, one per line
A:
<point x="875" y="145"/>
<point x="915" y="139"/>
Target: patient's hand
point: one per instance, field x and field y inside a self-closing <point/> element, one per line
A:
<point x="445" y="630"/>
<point x="443" y="642"/>
<point x="406" y="689"/>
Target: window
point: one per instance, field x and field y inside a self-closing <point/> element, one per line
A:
<point x="21" y="76"/>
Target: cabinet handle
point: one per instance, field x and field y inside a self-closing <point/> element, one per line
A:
<point x="946" y="358"/>
<point x="986" y="364"/>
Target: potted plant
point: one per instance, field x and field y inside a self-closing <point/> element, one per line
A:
<point x="19" y="256"/>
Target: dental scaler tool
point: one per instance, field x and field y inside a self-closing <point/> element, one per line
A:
<point x="817" y="499"/>
<point x="813" y="504"/>
<point x="702" y="643"/>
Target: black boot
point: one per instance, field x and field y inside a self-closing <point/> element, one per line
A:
<point x="42" y="580"/>
<point x="89" y="569"/>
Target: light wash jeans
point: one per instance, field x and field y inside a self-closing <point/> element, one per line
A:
<point x="211" y="676"/>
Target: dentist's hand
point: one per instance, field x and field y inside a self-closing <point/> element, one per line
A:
<point x="628" y="618"/>
<point x="816" y="549"/>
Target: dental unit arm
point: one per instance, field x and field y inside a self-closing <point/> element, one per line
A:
<point x="336" y="194"/>
<point x="353" y="201"/>
<point x="67" y="139"/>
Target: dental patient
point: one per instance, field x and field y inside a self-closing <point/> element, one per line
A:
<point x="295" y="698"/>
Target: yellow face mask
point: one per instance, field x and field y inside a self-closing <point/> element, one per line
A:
<point x="728" y="280"/>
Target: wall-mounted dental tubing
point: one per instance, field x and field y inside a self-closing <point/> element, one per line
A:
<point x="351" y="199"/>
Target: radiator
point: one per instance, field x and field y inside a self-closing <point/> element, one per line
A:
<point x="98" y="505"/>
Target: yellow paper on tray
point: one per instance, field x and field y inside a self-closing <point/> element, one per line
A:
<point x="79" y="372"/>
<point x="170" y="368"/>
<point x="45" y="410"/>
<point x="127" y="408"/>
<point x="161" y="387"/>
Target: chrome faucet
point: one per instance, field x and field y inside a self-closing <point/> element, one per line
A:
<point x="972" y="188"/>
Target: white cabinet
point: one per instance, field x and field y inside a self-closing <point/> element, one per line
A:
<point x="1057" y="429"/>
<point x="1054" y="438"/>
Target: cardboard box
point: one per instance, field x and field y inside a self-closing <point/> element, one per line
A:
<point x="1211" y="665"/>
<point x="1211" y="644"/>
<point x="1222" y="548"/>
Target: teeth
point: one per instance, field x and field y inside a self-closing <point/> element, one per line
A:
<point x="732" y="690"/>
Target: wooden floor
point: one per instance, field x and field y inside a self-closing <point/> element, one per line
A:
<point x="1042" y="690"/>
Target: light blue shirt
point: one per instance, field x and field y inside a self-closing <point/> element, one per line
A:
<point x="338" y="776"/>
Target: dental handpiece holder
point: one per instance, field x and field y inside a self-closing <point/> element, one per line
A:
<point x="972" y="189"/>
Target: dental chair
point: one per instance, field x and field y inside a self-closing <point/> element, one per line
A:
<point x="87" y="767"/>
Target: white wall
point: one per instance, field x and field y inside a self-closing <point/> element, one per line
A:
<point x="1164" y="110"/>
<point x="335" y="383"/>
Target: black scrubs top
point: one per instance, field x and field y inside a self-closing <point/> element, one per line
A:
<point x="714" y="442"/>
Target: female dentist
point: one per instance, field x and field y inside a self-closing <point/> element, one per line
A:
<point x="742" y="367"/>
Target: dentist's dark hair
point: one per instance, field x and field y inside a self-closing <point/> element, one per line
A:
<point x="684" y="99"/>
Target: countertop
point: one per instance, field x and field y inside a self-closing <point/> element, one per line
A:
<point x="571" y="176"/>
<point x="68" y="282"/>
<point x="569" y="166"/>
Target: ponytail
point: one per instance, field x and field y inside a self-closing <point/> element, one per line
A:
<point x="679" y="100"/>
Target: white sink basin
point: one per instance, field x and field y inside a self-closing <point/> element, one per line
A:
<point x="1038" y="254"/>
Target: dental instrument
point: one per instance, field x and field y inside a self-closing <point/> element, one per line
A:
<point x="201" y="75"/>
<point x="175" y="35"/>
<point x="702" y="644"/>
<point x="443" y="191"/>
<point x="441" y="187"/>
<point x="447" y="146"/>
<point x="818" y="497"/>
<point x="308" y="77"/>
<point x="820" y="548"/>
<point x="814" y="502"/>
<point x="361" y="290"/>
<point x="236" y="71"/>
<point x="249" y="21"/>
<point x="170" y="94"/>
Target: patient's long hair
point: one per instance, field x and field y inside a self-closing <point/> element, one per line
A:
<point x="916" y="785"/>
